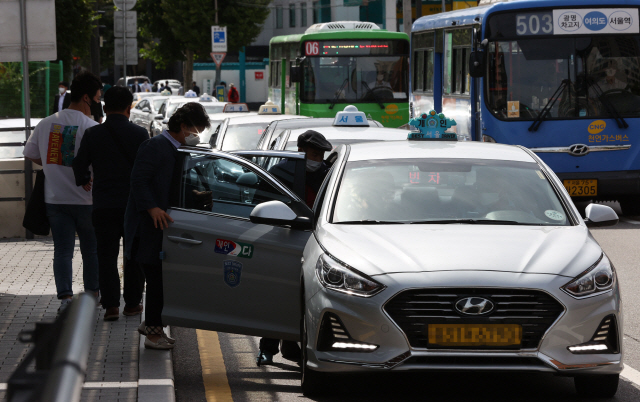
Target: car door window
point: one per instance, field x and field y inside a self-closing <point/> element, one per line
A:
<point x="226" y="187"/>
<point x="279" y="139"/>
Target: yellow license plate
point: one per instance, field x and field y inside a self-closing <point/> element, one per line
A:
<point x="475" y="334"/>
<point x="581" y="188"/>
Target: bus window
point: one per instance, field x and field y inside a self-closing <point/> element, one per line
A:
<point x="601" y="72"/>
<point x="457" y="49"/>
<point x="418" y="71"/>
<point x="423" y="44"/>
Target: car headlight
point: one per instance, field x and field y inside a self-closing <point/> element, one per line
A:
<point x="339" y="277"/>
<point x="597" y="279"/>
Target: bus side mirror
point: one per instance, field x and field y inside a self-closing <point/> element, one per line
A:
<point x="477" y="64"/>
<point x="296" y="74"/>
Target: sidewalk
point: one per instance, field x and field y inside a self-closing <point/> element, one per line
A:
<point x="28" y="295"/>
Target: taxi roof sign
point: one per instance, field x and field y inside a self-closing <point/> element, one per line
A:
<point x="269" y="108"/>
<point x="236" y="108"/>
<point x="207" y="98"/>
<point x="432" y="126"/>
<point x="351" y="117"/>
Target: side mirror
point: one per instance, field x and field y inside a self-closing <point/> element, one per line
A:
<point x="600" y="215"/>
<point x="277" y="213"/>
<point x="477" y="62"/>
<point x="248" y="179"/>
<point x="296" y="74"/>
<point x="165" y="121"/>
<point x="158" y="117"/>
<point x="146" y="110"/>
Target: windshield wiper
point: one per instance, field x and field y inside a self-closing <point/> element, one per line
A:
<point x="471" y="222"/>
<point x="335" y="99"/>
<point x="369" y="90"/>
<point x="370" y="222"/>
<point x="607" y="103"/>
<point x="538" y="121"/>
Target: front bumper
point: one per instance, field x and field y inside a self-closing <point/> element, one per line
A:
<point x="366" y="321"/>
<point x="610" y="184"/>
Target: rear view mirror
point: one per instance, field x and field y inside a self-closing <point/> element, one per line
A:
<point x="477" y="64"/>
<point x="600" y="215"/>
<point x="296" y="74"/>
<point x="277" y="213"/>
<point x="159" y="117"/>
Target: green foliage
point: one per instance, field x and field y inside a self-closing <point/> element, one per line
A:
<point x="185" y="25"/>
<point x="75" y="20"/>
<point x="11" y="88"/>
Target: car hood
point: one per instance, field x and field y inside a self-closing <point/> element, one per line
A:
<point x="385" y="249"/>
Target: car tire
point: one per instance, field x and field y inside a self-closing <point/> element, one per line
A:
<point x="312" y="382"/>
<point x="630" y="205"/>
<point x="600" y="386"/>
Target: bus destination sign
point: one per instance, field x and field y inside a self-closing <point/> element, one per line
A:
<point x="578" y="22"/>
<point x="355" y="47"/>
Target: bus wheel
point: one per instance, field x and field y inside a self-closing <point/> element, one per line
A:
<point x="630" y="205"/>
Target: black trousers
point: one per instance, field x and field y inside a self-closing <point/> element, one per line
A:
<point x="271" y="346"/>
<point x="108" y="224"/>
<point x="155" y="297"/>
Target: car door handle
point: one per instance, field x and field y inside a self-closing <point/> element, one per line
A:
<point x="184" y="240"/>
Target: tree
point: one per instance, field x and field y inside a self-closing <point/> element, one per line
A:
<point x="183" y="27"/>
<point x="75" y="20"/>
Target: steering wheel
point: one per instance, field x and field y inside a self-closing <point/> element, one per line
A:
<point x="388" y="93"/>
<point x="616" y="91"/>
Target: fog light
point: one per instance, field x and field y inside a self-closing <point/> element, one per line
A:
<point x="334" y="336"/>
<point x="605" y="340"/>
<point x="344" y="345"/>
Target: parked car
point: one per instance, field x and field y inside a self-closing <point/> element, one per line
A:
<point x="145" y="112"/>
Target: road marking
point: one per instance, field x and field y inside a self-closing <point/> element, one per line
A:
<point x="214" y="372"/>
<point x="631" y="374"/>
<point x="630" y="221"/>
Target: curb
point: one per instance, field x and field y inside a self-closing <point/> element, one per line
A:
<point x="155" y="373"/>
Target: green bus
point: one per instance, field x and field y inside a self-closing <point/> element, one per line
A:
<point x="336" y="64"/>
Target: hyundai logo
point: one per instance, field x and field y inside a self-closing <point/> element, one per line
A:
<point x="474" y="306"/>
<point x="578" y="150"/>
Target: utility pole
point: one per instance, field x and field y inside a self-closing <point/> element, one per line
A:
<point x="418" y="9"/>
<point x="444" y="6"/>
<point x="407" y="19"/>
<point x="95" y="47"/>
<point x="218" y="68"/>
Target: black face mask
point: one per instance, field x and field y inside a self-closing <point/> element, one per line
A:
<point x="92" y="103"/>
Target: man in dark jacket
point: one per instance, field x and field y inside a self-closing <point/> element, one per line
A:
<point x="148" y="202"/>
<point x="195" y="88"/>
<point x="62" y="100"/>
<point x="111" y="149"/>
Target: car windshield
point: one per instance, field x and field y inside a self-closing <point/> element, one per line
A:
<point x="293" y="145"/>
<point x="468" y="191"/>
<point x="242" y="136"/>
<point x="205" y="136"/>
<point x="589" y="77"/>
<point x="157" y="103"/>
<point x="147" y="94"/>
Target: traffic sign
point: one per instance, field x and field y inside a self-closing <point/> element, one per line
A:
<point x="132" y="51"/>
<point x="131" y="24"/>
<point x="125" y="4"/>
<point x="218" y="39"/>
<point x="217" y="58"/>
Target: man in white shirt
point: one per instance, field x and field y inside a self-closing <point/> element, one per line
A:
<point x="146" y="87"/>
<point x="54" y="144"/>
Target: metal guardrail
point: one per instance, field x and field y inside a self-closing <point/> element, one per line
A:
<point x="60" y="354"/>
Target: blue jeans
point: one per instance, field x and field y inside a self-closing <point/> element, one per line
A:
<point x="65" y="221"/>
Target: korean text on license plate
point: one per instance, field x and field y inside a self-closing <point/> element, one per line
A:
<point x="475" y="334"/>
<point x="582" y="187"/>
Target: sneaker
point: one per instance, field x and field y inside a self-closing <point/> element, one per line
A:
<point x="64" y="303"/>
<point x="264" y="358"/>
<point x="142" y="330"/>
<point x="161" y="344"/>
<point x="112" y="314"/>
<point x="129" y="311"/>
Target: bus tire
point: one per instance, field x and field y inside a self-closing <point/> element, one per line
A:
<point x="630" y="205"/>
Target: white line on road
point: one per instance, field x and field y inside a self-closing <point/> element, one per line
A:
<point x="631" y="374"/>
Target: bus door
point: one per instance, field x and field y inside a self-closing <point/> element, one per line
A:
<point x="456" y="81"/>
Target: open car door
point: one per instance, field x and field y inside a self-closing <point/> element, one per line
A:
<point x="223" y="272"/>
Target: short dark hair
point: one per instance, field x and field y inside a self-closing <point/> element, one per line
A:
<point x="166" y="82"/>
<point x="191" y="114"/>
<point x="64" y="83"/>
<point x="117" y="99"/>
<point x="223" y="83"/>
<point x="85" y="83"/>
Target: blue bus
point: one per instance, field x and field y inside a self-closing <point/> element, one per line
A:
<point x="561" y="77"/>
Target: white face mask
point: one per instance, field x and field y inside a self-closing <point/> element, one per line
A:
<point x="192" y="139"/>
<point x="312" y="166"/>
<point x="611" y="72"/>
<point x="62" y="90"/>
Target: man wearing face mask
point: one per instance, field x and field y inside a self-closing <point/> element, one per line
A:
<point x="146" y="214"/>
<point x="54" y="145"/>
<point x="62" y="100"/>
<point x="111" y="148"/>
<point x="314" y="145"/>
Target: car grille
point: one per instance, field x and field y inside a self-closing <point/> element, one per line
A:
<point x="413" y="310"/>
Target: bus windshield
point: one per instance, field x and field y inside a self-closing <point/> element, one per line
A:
<point x="355" y="78"/>
<point x="591" y="77"/>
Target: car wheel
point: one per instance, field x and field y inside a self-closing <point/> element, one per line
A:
<point x="630" y="205"/>
<point x="601" y="386"/>
<point x="313" y="382"/>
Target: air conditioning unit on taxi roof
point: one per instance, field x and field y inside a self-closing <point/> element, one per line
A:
<point x="342" y="26"/>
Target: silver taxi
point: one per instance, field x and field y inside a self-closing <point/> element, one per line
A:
<point x="417" y="255"/>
